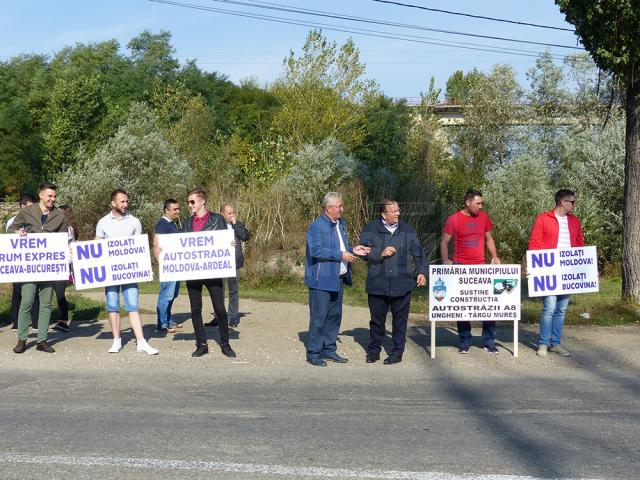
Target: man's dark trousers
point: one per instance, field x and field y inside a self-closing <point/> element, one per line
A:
<point x="379" y="306"/>
<point x="325" y="310"/>
<point x="216" y="292"/>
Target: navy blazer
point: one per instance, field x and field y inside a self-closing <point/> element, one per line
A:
<point x="323" y="256"/>
<point x="393" y="276"/>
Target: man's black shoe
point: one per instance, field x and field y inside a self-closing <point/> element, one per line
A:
<point x="212" y="323"/>
<point x="200" y="351"/>
<point x="61" y="327"/>
<point x="372" y="358"/>
<point x="227" y="350"/>
<point x="20" y="347"/>
<point x="45" y="347"/>
<point x="391" y="359"/>
<point x="334" y="357"/>
<point x="317" y="362"/>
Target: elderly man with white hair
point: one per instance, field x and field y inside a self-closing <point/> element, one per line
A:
<point x="327" y="269"/>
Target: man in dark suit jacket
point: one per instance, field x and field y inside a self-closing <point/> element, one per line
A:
<point x="200" y="220"/>
<point x="395" y="253"/>
<point x="241" y="234"/>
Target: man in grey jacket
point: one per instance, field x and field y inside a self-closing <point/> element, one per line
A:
<point x="41" y="217"/>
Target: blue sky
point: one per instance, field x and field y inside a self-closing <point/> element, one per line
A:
<point x="249" y="48"/>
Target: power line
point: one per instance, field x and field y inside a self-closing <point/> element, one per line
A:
<point x="353" y="30"/>
<point x="320" y="13"/>
<point x="482" y="17"/>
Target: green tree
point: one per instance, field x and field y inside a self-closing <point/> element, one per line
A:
<point x="320" y="93"/>
<point x="386" y="127"/>
<point x="24" y="91"/>
<point x="188" y="124"/>
<point x="152" y="57"/>
<point x="489" y="136"/>
<point x="609" y="31"/>
<point x="77" y="108"/>
<point x="138" y="159"/>
<point x="459" y="85"/>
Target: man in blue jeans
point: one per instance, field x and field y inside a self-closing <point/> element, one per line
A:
<point x="120" y="223"/>
<point x="168" y="290"/>
<point x="555" y="228"/>
<point x="327" y="268"/>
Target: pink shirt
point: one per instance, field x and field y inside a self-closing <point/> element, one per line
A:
<point x="198" y="222"/>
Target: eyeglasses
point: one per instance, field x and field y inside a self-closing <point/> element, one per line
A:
<point x="572" y="202"/>
<point x="192" y="202"/>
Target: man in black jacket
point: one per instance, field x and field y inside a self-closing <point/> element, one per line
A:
<point x="395" y="252"/>
<point x="200" y="220"/>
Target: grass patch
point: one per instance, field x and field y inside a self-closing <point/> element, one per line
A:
<point x="80" y="308"/>
<point x="604" y="307"/>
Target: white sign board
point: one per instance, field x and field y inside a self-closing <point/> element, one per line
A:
<point x="111" y="261"/>
<point x="35" y="257"/>
<point x="562" y="271"/>
<point x="196" y="255"/>
<point x="474" y="292"/>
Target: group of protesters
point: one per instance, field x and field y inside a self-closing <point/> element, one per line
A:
<point x="396" y="264"/>
<point x="32" y="301"/>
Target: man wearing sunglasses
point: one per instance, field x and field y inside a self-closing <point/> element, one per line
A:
<point x="200" y="220"/>
<point x="556" y="228"/>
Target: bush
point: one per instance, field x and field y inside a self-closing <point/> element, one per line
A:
<point x="137" y="159"/>
<point x="515" y="194"/>
<point x="318" y="169"/>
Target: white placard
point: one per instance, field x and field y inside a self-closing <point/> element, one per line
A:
<point x="562" y="271"/>
<point x="474" y="292"/>
<point x="111" y="261"/>
<point x="35" y="257"/>
<point x="196" y="255"/>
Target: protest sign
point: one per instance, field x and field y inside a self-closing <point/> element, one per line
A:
<point x="196" y="255"/>
<point x="474" y="293"/>
<point x="111" y="261"/>
<point x="35" y="257"/>
<point x="562" y="271"/>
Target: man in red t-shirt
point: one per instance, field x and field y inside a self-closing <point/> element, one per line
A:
<point x="470" y="229"/>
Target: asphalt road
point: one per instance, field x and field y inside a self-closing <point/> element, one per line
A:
<point x="84" y="413"/>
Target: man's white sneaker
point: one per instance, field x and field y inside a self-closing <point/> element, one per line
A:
<point x="144" y="347"/>
<point x="542" y="351"/>
<point x="116" y="346"/>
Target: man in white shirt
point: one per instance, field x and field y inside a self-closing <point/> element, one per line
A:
<point x="120" y="223"/>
